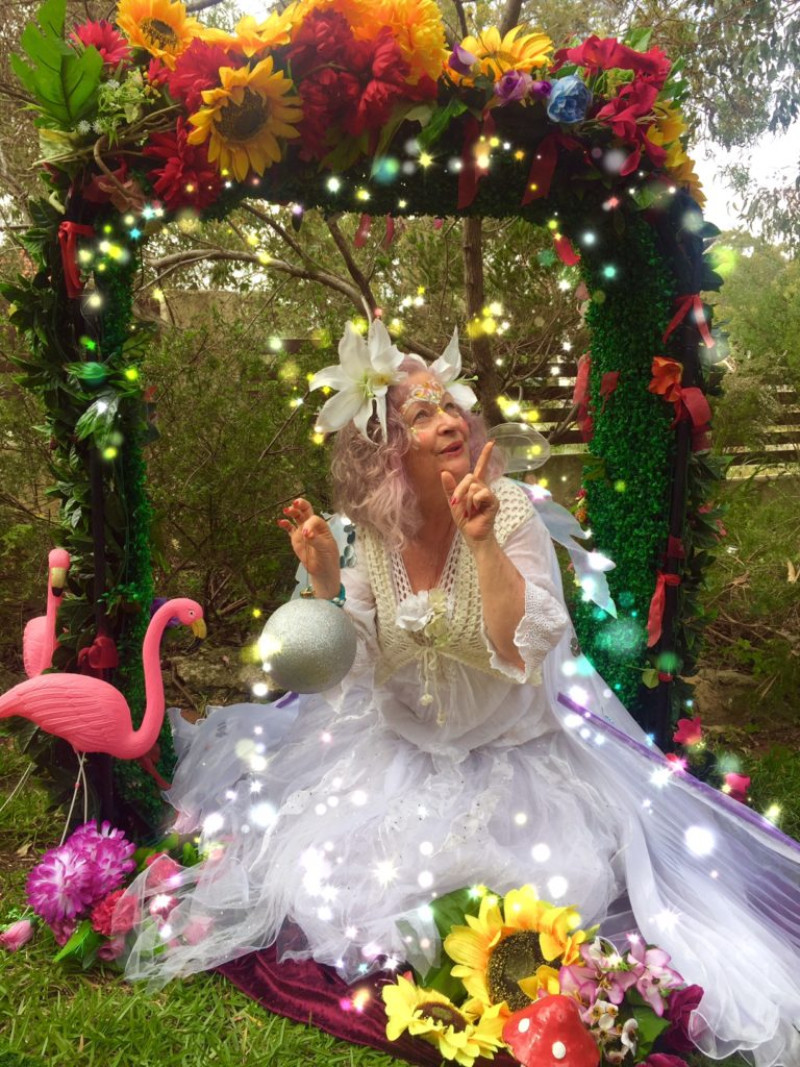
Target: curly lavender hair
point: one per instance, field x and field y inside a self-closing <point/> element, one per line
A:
<point x="370" y="484"/>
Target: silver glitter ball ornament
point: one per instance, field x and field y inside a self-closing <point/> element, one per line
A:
<point x="308" y="645"/>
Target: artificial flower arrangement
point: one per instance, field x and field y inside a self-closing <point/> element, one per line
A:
<point x="78" y="891"/>
<point x="521" y="974"/>
<point x="157" y="105"/>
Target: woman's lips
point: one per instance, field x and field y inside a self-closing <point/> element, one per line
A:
<point x="452" y="450"/>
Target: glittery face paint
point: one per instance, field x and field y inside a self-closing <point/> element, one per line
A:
<point x="428" y="391"/>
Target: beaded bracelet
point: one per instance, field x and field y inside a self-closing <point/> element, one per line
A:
<point x="340" y="597"/>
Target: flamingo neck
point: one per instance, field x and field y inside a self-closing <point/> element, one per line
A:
<point x="50" y="615"/>
<point x="146" y="736"/>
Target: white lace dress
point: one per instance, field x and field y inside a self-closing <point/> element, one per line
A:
<point x="333" y="819"/>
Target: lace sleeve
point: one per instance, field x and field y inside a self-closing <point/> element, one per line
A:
<point x="545" y="618"/>
<point x="360" y="606"/>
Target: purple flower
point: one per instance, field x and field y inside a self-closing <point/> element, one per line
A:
<point x="569" y="100"/>
<point x="63" y="929"/>
<point x="541" y="89"/>
<point x="514" y="85"/>
<point x="16" y="935"/>
<point x="109" y="854"/>
<point x="680" y="1006"/>
<point x="462" y="61"/>
<point x="59" y="886"/>
<point x="663" y="1059"/>
<point x="112" y="948"/>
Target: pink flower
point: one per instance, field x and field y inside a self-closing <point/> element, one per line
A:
<point x="689" y="732"/>
<point x="161" y="905"/>
<point x="197" y="930"/>
<point x="63" y="929"/>
<point x="126" y="914"/>
<point x="108" y="41"/>
<point x="737" y="784"/>
<point x="16" y="935"/>
<point x="162" y="872"/>
<point x="112" y="949"/>
<point x="653" y="977"/>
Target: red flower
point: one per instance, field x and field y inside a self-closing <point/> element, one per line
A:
<point x="328" y="97"/>
<point x="624" y="113"/>
<point x="108" y="41"/>
<point x="689" y="732"/>
<point x="196" y="69"/>
<point x="325" y="37"/>
<point x="186" y="179"/>
<point x="596" y="54"/>
<point x="681" y="1004"/>
<point x="387" y="85"/>
<point x="103" y="913"/>
<point x="737" y="786"/>
<point x="157" y="73"/>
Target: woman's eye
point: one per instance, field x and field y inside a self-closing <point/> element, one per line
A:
<point x="452" y="408"/>
<point x="422" y="416"/>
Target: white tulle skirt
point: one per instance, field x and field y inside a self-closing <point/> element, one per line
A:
<point x="329" y="833"/>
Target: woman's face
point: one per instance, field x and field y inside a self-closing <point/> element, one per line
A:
<point x="438" y="432"/>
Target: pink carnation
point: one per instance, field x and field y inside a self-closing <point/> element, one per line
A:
<point x="162" y="871"/>
<point x="103" y="913"/>
<point x="60" y="886"/>
<point x="112" y="949"/>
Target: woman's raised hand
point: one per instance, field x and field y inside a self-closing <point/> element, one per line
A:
<point x="314" y="545"/>
<point x="472" y="503"/>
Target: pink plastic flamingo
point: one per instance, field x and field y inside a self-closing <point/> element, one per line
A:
<point x="39" y="641"/>
<point x="91" y="714"/>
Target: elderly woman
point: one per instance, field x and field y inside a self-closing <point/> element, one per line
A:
<point x="445" y="759"/>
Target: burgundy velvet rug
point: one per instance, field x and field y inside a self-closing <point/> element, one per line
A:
<point x="308" y="992"/>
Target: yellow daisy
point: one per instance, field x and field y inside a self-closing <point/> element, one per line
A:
<point x="457" y="1034"/>
<point x="245" y="117"/>
<point x="496" y="55"/>
<point x="162" y="27"/>
<point x="505" y="956"/>
<point x="251" y="37"/>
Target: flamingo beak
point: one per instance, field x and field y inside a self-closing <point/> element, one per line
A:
<point x="199" y="628"/>
<point x="58" y="579"/>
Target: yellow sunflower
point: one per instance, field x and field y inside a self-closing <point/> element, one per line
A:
<point x="245" y="117"/>
<point x="162" y="27"/>
<point x="681" y="169"/>
<point x="251" y="37"/>
<point x="496" y="55"/>
<point x="505" y="955"/>
<point x="458" y="1034"/>
<point x="668" y="126"/>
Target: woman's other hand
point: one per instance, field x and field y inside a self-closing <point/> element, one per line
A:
<point x="472" y="503"/>
<point x="315" y="547"/>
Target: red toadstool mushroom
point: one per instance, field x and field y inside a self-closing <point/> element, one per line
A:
<point x="550" y="1033"/>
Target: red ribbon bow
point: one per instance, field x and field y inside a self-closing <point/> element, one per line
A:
<point x="580" y="397"/>
<point x="471" y="173"/>
<point x="655" y="618"/>
<point x="690" y="402"/>
<point x="68" y="234"/>
<point x="543" y="167"/>
<point x="686" y="303"/>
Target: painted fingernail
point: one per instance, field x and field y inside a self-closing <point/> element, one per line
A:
<point x="453" y="501"/>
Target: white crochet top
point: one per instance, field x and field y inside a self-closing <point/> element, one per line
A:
<point x="462" y="637"/>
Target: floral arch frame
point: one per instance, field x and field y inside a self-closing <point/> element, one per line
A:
<point x="158" y="114"/>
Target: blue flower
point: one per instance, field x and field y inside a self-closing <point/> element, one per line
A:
<point x="569" y="100"/>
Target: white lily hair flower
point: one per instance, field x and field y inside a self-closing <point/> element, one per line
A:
<point x="365" y="371"/>
<point x="447" y="369"/>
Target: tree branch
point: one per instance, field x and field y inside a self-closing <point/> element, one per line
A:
<point x="488" y="384"/>
<point x="511" y="16"/>
<point x="353" y="268"/>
